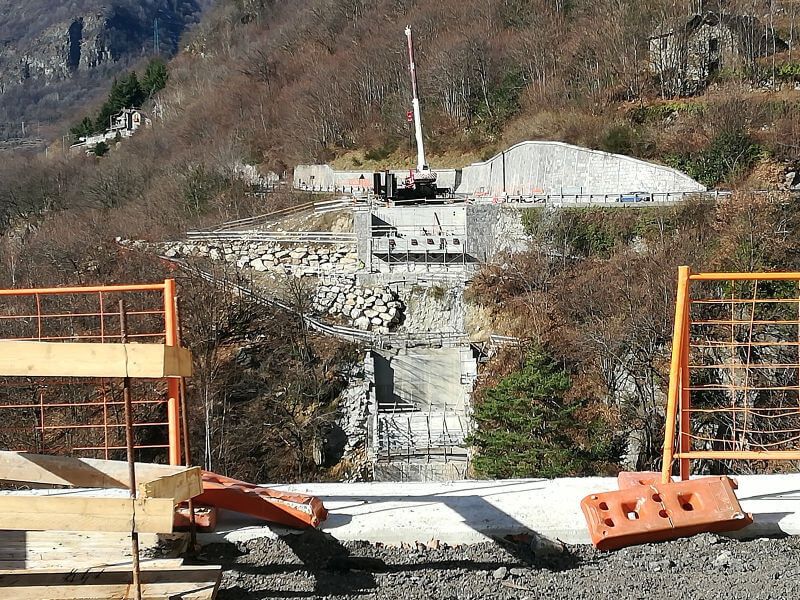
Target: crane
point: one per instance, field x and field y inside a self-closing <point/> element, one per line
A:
<point x="423" y="179"/>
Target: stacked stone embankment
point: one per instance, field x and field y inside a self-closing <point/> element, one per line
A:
<point x="376" y="309"/>
<point x="272" y="257"/>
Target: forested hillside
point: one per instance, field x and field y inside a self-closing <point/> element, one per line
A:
<point x="272" y="84"/>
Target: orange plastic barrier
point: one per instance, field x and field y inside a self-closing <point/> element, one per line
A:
<point x="292" y="510"/>
<point x="629" y="479"/>
<point x="205" y="518"/>
<point x="658" y="512"/>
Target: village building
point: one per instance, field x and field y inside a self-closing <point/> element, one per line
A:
<point x="124" y="124"/>
<point x="687" y="57"/>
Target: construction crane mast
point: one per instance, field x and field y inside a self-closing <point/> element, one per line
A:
<point x="420" y="185"/>
<point x="423" y="179"/>
<point x="422" y="166"/>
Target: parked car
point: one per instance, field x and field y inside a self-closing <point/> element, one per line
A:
<point x="635" y="197"/>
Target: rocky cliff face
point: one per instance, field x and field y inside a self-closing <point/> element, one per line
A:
<point x="51" y="57"/>
<point x="58" y="53"/>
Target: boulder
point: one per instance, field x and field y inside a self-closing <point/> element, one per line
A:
<point x="370" y="313"/>
<point x="376" y="321"/>
<point x="362" y="323"/>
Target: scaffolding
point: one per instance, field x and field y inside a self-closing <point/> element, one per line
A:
<point x="425" y="248"/>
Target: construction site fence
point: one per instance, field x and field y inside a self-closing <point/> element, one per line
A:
<point x="83" y="415"/>
<point x="633" y="200"/>
<point x="734" y="387"/>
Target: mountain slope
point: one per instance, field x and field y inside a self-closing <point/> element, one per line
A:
<point x="55" y="56"/>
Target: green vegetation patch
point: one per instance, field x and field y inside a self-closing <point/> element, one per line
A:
<point x="528" y="428"/>
<point x="596" y="231"/>
<point x="730" y="153"/>
<point x="127" y="92"/>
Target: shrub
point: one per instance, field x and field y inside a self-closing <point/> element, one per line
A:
<point x="100" y="149"/>
<point x="619" y="139"/>
<point x="528" y="428"/>
<point x="730" y="153"/>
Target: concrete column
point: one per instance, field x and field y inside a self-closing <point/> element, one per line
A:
<point x="362" y="227"/>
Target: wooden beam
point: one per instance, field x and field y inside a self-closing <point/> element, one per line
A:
<point x="179" y="487"/>
<point x="67" y="359"/>
<point x="83" y="563"/>
<point x="83" y="513"/>
<point x="76" y="472"/>
<point x="25" y="548"/>
<point x="187" y="582"/>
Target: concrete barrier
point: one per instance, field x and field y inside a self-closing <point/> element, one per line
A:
<point x="543" y="167"/>
<point x="468" y="512"/>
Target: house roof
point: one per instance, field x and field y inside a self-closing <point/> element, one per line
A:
<point x="750" y="32"/>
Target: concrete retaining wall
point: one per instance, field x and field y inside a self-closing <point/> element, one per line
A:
<point x="557" y="168"/>
<point x="494" y="228"/>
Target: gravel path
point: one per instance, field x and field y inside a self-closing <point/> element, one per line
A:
<point x="314" y="565"/>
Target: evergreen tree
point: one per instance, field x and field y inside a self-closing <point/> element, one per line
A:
<point x="101" y="149"/>
<point x="83" y="129"/>
<point x="527" y="427"/>
<point x="155" y="77"/>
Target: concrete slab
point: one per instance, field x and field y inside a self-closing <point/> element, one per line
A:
<point x="468" y="512"/>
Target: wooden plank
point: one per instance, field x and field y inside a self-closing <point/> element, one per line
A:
<point x="81" y="513"/>
<point x="84" y="563"/>
<point x="180" y="486"/>
<point x="77" y="472"/>
<point x="187" y="582"/>
<point x="52" y="359"/>
<point x="25" y="548"/>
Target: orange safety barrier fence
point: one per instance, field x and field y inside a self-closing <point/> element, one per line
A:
<point x="85" y="416"/>
<point x="734" y="392"/>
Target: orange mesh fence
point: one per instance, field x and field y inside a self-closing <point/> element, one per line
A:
<point x="734" y="394"/>
<point x="85" y="416"/>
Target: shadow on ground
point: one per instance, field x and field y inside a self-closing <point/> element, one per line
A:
<point x="322" y="566"/>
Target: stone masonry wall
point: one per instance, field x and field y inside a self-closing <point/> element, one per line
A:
<point x="372" y="309"/>
<point x="271" y="256"/>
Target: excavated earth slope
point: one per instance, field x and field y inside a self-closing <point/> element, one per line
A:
<point x="314" y="565"/>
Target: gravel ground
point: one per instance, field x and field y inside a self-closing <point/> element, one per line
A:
<point x="314" y="565"/>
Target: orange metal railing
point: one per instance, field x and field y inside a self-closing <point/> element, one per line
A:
<point x="84" y="415"/>
<point x="734" y="392"/>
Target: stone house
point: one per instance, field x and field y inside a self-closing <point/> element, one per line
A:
<point x="128" y="120"/>
<point x="124" y="124"/>
<point x="685" y="58"/>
